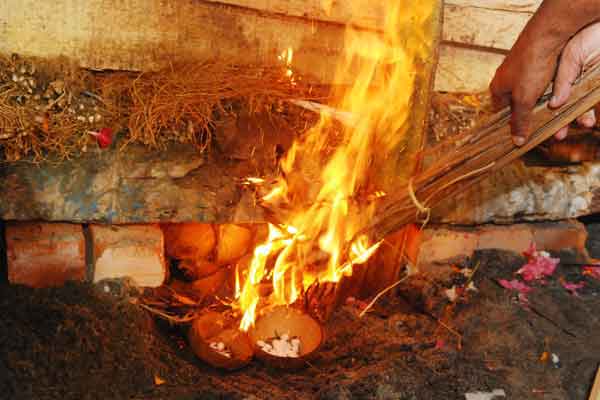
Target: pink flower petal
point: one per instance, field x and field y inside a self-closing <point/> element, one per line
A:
<point x="539" y="265"/>
<point x="515" y="285"/>
<point x="572" y="287"/>
<point x="592" y="271"/>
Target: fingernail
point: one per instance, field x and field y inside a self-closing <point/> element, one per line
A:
<point x="553" y="100"/>
<point x="518" y="140"/>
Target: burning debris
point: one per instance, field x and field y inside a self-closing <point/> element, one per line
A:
<point x="331" y="181"/>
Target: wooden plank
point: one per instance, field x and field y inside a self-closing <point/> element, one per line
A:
<point x="527" y="6"/>
<point x="465" y="69"/>
<point x="483" y="27"/>
<point x="152" y="32"/>
<point x="147" y="34"/>
<point x="493" y="24"/>
<point x="364" y="13"/>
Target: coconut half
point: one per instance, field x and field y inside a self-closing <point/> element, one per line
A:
<point x="217" y="340"/>
<point x="285" y="322"/>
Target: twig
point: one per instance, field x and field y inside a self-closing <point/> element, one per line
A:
<point x="595" y="392"/>
<point x="177" y="320"/>
<point x="451" y="330"/>
<point x="384" y="291"/>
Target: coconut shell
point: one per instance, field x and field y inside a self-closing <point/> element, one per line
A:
<point x="210" y="285"/>
<point x="198" y="269"/>
<point x="293" y="322"/>
<point x="212" y="327"/>
<point x="234" y="242"/>
<point x="189" y="241"/>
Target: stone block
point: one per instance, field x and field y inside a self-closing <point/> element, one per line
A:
<point x="45" y="254"/>
<point x="133" y="251"/>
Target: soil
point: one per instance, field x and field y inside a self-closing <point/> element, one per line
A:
<point x="80" y="342"/>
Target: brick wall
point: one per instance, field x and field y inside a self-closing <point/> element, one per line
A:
<point x="45" y="254"/>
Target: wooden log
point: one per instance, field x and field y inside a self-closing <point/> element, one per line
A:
<point x="477" y="35"/>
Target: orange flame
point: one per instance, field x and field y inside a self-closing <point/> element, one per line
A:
<point x="327" y="169"/>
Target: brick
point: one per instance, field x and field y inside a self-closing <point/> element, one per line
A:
<point x="45" y="254"/>
<point x="134" y="251"/>
<point x="445" y="245"/>
<point x="566" y="238"/>
<point x="515" y="238"/>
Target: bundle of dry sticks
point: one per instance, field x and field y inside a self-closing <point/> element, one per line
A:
<point x="461" y="161"/>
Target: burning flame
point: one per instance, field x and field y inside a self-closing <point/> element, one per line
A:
<point x="327" y="169"/>
<point x="286" y="57"/>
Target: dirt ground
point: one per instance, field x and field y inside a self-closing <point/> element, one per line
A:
<point x="77" y="342"/>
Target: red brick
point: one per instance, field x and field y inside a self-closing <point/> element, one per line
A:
<point x="134" y="251"/>
<point x="566" y="237"/>
<point x="45" y="254"/>
<point x="445" y="245"/>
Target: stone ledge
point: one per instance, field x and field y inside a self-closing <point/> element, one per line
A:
<point x="519" y="193"/>
<point x="131" y="186"/>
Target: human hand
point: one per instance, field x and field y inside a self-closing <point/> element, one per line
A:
<point x="581" y="52"/>
<point x="529" y="68"/>
<point x="523" y="77"/>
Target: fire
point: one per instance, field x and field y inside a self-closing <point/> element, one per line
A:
<point x="327" y="172"/>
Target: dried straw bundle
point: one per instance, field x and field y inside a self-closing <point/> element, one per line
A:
<point x="40" y="104"/>
<point x="462" y="161"/>
<point x="48" y="106"/>
<point x="182" y="103"/>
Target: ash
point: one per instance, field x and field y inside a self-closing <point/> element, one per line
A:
<point x="220" y="348"/>
<point x="282" y="346"/>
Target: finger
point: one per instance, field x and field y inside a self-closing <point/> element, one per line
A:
<point x="587" y="120"/>
<point x="500" y="95"/>
<point x="568" y="71"/>
<point x="520" y="121"/>
<point x="562" y="133"/>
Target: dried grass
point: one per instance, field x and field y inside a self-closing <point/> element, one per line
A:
<point x="182" y="102"/>
<point x="179" y="104"/>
